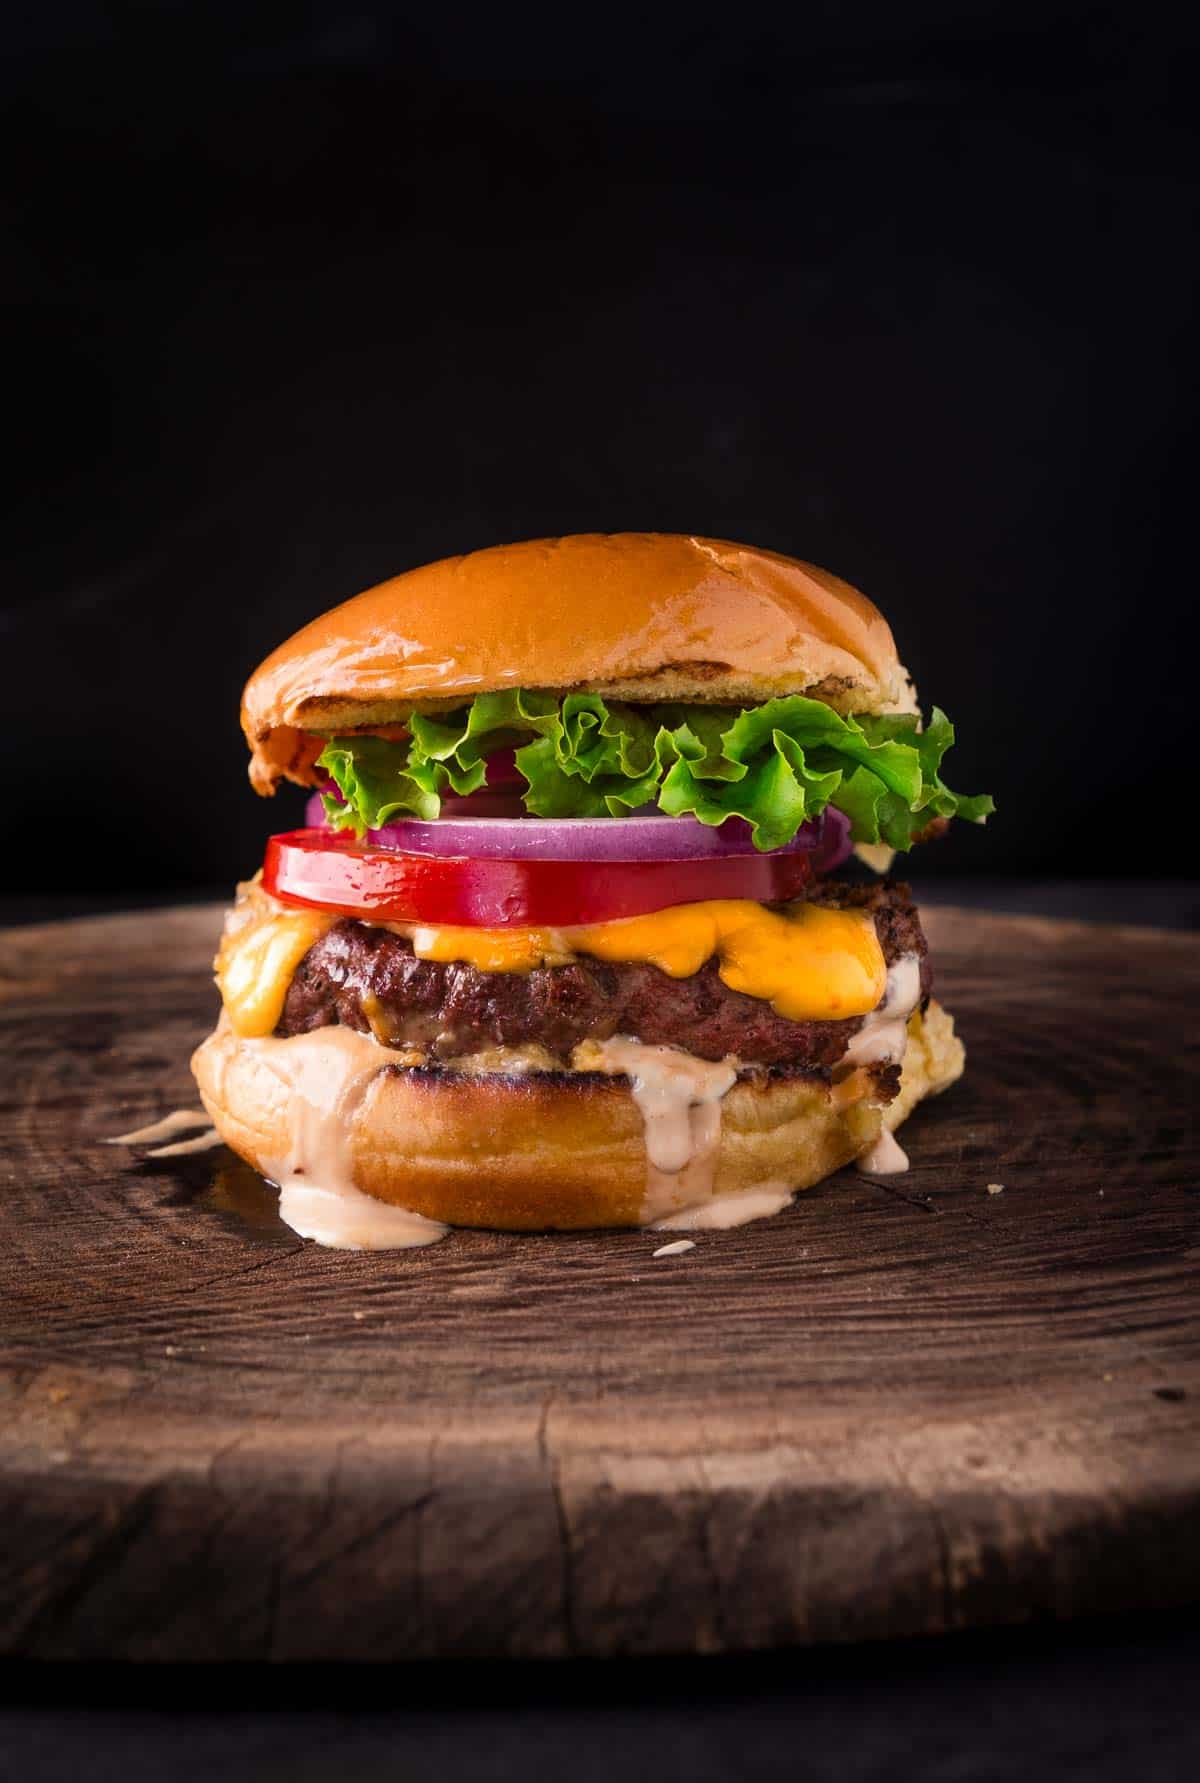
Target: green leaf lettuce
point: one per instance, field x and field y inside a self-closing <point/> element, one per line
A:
<point x="775" y="765"/>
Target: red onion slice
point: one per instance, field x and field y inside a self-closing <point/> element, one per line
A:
<point x="650" y="838"/>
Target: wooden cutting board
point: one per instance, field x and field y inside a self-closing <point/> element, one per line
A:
<point x="898" y="1407"/>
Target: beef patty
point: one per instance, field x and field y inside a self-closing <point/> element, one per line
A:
<point x="368" y="978"/>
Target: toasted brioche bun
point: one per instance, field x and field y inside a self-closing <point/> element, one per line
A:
<point x="565" y="1149"/>
<point x="632" y="615"/>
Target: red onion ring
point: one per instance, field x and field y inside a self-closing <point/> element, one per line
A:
<point x="653" y="837"/>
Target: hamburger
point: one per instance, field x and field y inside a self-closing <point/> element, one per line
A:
<point x="562" y="942"/>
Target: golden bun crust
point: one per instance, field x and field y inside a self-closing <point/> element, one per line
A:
<point x="632" y="615"/>
<point x="557" y="1149"/>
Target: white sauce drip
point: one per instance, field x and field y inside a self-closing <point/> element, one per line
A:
<point x="326" y="1075"/>
<point x="680" y="1102"/>
<point x="178" y="1122"/>
<point x="884" y="1033"/>
<point x="721" y="1212"/>
<point x="886" y="1157"/>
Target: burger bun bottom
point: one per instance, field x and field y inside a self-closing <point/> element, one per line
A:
<point x="540" y="1150"/>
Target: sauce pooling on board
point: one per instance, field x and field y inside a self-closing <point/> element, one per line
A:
<point x="886" y="1157"/>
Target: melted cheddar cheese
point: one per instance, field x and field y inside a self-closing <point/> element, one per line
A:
<point x="809" y="962"/>
<point x="261" y="948"/>
<point x="491" y="950"/>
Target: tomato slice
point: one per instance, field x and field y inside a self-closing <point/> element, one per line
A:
<point x="331" y="872"/>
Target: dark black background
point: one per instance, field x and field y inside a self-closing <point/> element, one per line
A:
<point x="1111" y="1703"/>
<point x="301" y="296"/>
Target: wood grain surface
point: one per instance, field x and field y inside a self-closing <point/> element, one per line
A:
<point x="904" y="1406"/>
